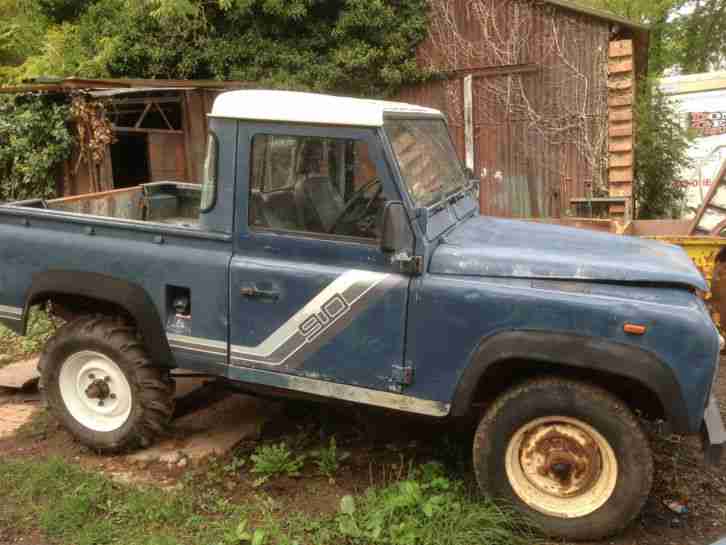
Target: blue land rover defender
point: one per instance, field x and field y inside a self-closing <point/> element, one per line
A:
<point x="335" y="249"/>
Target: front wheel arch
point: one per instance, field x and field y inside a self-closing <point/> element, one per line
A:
<point x="503" y="360"/>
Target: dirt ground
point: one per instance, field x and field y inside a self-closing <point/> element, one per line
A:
<point x="383" y="447"/>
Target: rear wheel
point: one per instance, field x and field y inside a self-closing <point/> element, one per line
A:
<point x="569" y="455"/>
<point x="101" y="384"/>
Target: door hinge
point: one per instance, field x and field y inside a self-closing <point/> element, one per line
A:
<point x="401" y="376"/>
<point x="410" y="264"/>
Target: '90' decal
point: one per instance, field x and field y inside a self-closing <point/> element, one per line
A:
<point x="315" y="324"/>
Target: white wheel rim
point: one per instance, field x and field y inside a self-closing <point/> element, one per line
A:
<point x="561" y="466"/>
<point x="95" y="391"/>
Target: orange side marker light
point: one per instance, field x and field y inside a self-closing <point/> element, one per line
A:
<point x="635" y="329"/>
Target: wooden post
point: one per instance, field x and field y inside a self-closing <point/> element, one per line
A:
<point x="621" y="136"/>
<point x="469" y="121"/>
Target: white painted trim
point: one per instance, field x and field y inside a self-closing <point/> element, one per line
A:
<point x="11" y="313"/>
<point x="469" y="121"/>
<point x="356" y="394"/>
<point x="294" y="107"/>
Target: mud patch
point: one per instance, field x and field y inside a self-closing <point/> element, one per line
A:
<point x="13" y="417"/>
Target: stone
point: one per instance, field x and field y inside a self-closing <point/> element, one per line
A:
<point x="20" y="375"/>
<point x="212" y="431"/>
<point x="170" y="458"/>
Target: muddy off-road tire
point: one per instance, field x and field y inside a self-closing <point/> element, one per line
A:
<point x="572" y="457"/>
<point x="98" y="379"/>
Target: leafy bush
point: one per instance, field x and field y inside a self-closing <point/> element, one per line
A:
<point x="271" y="460"/>
<point x="34" y="142"/>
<point x="661" y="146"/>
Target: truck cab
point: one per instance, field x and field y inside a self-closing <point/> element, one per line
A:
<point x="338" y="252"/>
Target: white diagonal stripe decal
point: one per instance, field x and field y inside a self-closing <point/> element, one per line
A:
<point x="326" y="308"/>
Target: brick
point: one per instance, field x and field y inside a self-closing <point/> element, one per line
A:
<point x="617" y="209"/>
<point x="620" y="175"/>
<point x="620" y="160"/>
<point x="621" y="48"/>
<point x="625" y="144"/>
<point x="621" y="129"/>
<point x="620" y="114"/>
<point x="622" y="99"/>
<point x="623" y="66"/>
<point x="623" y="84"/>
<point x="621" y="190"/>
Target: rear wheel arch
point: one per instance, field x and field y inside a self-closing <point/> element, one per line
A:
<point x="507" y="359"/>
<point x="80" y="293"/>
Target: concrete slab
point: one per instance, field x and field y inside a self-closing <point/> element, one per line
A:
<point x="20" y="375"/>
<point x="214" y="430"/>
<point x="186" y="385"/>
<point x="12" y="417"/>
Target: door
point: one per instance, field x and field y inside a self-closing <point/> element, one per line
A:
<point x="311" y="293"/>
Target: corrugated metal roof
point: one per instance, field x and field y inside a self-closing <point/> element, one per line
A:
<point x="598" y="14"/>
<point x="64" y="85"/>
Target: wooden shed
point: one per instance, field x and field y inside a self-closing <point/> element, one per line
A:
<point x="538" y="94"/>
<point x="158" y="130"/>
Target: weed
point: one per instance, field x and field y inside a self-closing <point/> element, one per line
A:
<point x="218" y="472"/>
<point x="328" y="460"/>
<point x="271" y="460"/>
<point x="40" y="328"/>
<point x="430" y="509"/>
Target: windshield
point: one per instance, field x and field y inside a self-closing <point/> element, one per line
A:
<point x="427" y="159"/>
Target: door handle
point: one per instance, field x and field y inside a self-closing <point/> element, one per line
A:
<point x="256" y="293"/>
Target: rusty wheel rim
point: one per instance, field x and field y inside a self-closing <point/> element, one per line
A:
<point x="561" y="466"/>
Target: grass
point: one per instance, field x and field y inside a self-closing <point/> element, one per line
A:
<point x="40" y="329"/>
<point x="67" y="504"/>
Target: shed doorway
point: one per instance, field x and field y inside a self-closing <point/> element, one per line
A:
<point x="130" y="160"/>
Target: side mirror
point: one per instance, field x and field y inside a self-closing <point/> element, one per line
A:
<point x="396" y="235"/>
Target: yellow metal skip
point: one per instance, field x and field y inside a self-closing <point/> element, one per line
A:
<point x="704" y="252"/>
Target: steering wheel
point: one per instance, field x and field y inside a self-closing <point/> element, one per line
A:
<point x="352" y="203"/>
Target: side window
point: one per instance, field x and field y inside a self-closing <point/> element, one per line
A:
<point x="325" y="186"/>
<point x="209" y="183"/>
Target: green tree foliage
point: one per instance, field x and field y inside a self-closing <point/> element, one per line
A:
<point x="34" y="142"/>
<point x="657" y="14"/>
<point x="22" y="25"/>
<point x="353" y="46"/>
<point x="701" y="36"/>
<point x="688" y="36"/>
<point x="660" y="154"/>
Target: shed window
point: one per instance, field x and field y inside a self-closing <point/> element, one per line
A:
<point x="209" y="184"/>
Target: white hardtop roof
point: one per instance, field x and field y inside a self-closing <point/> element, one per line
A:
<point x="297" y="107"/>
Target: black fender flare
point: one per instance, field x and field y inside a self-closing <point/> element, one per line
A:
<point x="580" y="352"/>
<point x="131" y="297"/>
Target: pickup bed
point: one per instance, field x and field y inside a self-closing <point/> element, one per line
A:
<point x="334" y="250"/>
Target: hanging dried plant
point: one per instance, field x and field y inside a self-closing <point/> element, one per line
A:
<point x="94" y="133"/>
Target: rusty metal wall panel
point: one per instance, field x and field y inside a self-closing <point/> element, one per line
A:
<point x="540" y="131"/>
<point x="119" y="203"/>
<point x="167" y="159"/>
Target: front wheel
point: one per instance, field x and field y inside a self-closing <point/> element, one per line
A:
<point x="100" y="382"/>
<point x="569" y="455"/>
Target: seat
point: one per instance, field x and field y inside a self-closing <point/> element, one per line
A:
<point x="318" y="203"/>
